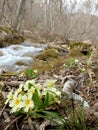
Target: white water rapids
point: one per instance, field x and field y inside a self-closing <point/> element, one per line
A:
<point x="14" y="54"/>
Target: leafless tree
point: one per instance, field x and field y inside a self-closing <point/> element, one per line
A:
<point x="19" y="14"/>
<point x="2" y="9"/>
<point x="75" y="20"/>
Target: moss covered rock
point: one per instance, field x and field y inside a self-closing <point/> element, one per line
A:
<point x="48" y="53"/>
<point x="15" y="39"/>
<point x="9" y="36"/>
<point x="5" y="29"/>
<point x="81" y="47"/>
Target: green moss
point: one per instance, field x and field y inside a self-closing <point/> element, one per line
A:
<point x="48" y="53"/>
<point x="50" y="64"/>
<point x="12" y="36"/>
<point x="5" y="29"/>
<point x="20" y="63"/>
<point x="75" y="44"/>
<point x="7" y="74"/>
<point x="13" y="39"/>
<point x="79" y="47"/>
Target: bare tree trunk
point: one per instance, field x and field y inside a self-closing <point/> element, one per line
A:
<point x="2" y="10"/>
<point x="52" y="9"/>
<point x="20" y="14"/>
<point x="46" y="17"/>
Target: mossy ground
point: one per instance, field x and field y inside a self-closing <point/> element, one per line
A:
<point x="50" y="58"/>
<point x="8" y="36"/>
<point x="80" y="49"/>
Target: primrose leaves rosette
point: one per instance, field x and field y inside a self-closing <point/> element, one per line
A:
<point x="33" y="96"/>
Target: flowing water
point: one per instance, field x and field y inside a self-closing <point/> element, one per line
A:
<point x="18" y="57"/>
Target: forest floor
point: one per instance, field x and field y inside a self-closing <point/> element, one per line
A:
<point x="62" y="65"/>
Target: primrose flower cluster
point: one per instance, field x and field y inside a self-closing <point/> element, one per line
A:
<point x="33" y="96"/>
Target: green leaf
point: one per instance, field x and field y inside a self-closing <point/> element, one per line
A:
<point x="54" y="115"/>
<point x="1" y="88"/>
<point x="51" y="114"/>
<point x="30" y="85"/>
<point x="36" y="98"/>
<point x="30" y="73"/>
<point x="46" y="101"/>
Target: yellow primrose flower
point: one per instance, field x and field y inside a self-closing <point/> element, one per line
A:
<point x="76" y="61"/>
<point x="16" y="103"/>
<point x="53" y="91"/>
<point x="57" y="92"/>
<point x="28" y="103"/>
<point x="49" y="83"/>
<point x="9" y="96"/>
<point x="35" y="71"/>
<point x="38" y="86"/>
<point x="53" y="94"/>
<point x="57" y="100"/>
<point x="44" y="91"/>
<point x="26" y="86"/>
<point x="31" y="90"/>
<point x="19" y="90"/>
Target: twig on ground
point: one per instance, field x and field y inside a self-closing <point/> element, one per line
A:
<point x="44" y="124"/>
<point x="6" y="116"/>
<point x="3" y="110"/>
<point x="6" y="128"/>
<point x="17" y="126"/>
<point x="32" y="126"/>
<point x="13" y="83"/>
